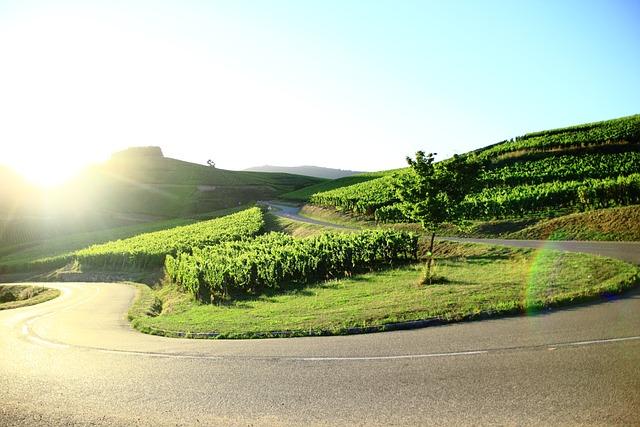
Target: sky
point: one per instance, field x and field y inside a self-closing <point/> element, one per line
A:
<point x="346" y="84"/>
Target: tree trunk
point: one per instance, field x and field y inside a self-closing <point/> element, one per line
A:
<point x="430" y="260"/>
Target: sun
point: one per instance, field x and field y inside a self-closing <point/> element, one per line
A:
<point x="50" y="171"/>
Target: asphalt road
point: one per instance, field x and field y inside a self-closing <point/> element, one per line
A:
<point x="626" y="251"/>
<point x="75" y="361"/>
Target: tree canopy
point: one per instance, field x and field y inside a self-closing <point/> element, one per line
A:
<point x="432" y="193"/>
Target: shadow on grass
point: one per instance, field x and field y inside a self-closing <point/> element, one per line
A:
<point x="606" y="298"/>
<point x="243" y="301"/>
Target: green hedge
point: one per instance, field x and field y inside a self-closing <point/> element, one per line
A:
<point x="274" y="260"/>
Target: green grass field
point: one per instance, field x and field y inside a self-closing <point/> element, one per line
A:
<point x="480" y="281"/>
<point x="173" y="188"/>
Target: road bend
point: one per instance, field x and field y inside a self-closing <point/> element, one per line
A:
<point x="76" y="361"/>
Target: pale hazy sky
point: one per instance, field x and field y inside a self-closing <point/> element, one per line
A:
<point x="347" y="84"/>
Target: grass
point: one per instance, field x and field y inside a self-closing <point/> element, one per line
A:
<point x="481" y="281"/>
<point x="66" y="244"/>
<point x="333" y="216"/>
<point x="296" y="228"/>
<point x="174" y="188"/>
<point x="604" y="224"/>
<point x="128" y="189"/>
<point x="612" y="224"/>
<point x="16" y="296"/>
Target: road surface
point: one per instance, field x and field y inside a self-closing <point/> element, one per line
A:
<point x="626" y="251"/>
<point x="75" y="361"/>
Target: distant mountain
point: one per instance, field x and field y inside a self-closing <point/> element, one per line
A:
<point x="315" y="171"/>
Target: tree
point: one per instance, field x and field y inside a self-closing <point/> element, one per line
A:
<point x="211" y="163"/>
<point x="431" y="193"/>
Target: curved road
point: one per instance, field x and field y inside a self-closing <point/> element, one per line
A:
<point x="75" y="361"/>
<point x="626" y="251"/>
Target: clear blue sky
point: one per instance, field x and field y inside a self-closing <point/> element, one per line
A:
<point x="348" y="84"/>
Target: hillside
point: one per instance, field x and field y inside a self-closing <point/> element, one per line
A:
<point x="134" y="186"/>
<point x="164" y="187"/>
<point x="315" y="171"/>
<point x="545" y="173"/>
<point x="305" y="193"/>
<point x="603" y="224"/>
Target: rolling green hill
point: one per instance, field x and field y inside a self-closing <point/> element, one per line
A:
<point x="157" y="186"/>
<point x="595" y="165"/>
<point x="135" y="186"/>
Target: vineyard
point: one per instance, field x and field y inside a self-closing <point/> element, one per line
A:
<point x="363" y="198"/>
<point x="532" y="174"/>
<point x="625" y="130"/>
<point x="147" y="250"/>
<point x="150" y="249"/>
<point x="565" y="168"/>
<point x="275" y="260"/>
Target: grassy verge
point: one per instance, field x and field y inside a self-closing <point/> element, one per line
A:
<point x="478" y="281"/>
<point x="21" y="296"/>
<point x="335" y="217"/>
<point x="612" y="224"/>
<point x="297" y="228"/>
<point x="146" y="303"/>
<point x="604" y="224"/>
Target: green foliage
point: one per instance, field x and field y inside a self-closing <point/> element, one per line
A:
<point x="622" y="130"/>
<point x="391" y="213"/>
<point x="564" y="168"/>
<point x="525" y="199"/>
<point x="306" y="193"/>
<point x="518" y="183"/>
<point x="150" y="250"/>
<point x="432" y="193"/>
<point x="275" y="260"/>
<point x="482" y="281"/>
<point x="14" y="296"/>
<point x="362" y="198"/>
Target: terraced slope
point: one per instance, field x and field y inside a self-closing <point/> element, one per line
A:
<point x="595" y="165"/>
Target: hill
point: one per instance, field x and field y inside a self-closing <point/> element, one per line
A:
<point x="594" y="165"/>
<point x="158" y="186"/>
<point x="134" y="186"/>
<point x="315" y="171"/>
<point x="305" y="193"/>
